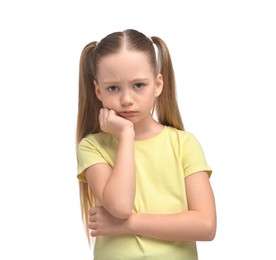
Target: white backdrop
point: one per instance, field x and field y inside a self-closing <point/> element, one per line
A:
<point x="225" y="64"/>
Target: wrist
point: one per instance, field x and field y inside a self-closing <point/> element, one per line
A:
<point x="131" y="224"/>
<point x="127" y="133"/>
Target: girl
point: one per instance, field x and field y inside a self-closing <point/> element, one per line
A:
<point x="144" y="182"/>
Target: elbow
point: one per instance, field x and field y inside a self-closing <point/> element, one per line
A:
<point x="210" y="228"/>
<point x="118" y="212"/>
<point x="121" y="210"/>
<point x="123" y="213"/>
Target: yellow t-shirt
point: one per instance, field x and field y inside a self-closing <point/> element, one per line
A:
<point x="162" y="163"/>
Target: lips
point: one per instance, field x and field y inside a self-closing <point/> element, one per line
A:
<point x="128" y="113"/>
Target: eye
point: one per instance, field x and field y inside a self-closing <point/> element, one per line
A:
<point x="113" y="88"/>
<point x="139" y="85"/>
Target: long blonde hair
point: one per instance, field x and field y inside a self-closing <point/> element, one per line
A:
<point x="89" y="106"/>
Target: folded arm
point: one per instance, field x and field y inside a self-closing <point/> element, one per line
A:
<point x="196" y="224"/>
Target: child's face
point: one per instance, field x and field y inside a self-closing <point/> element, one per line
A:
<point x="127" y="84"/>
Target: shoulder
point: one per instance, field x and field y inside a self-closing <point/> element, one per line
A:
<point x="95" y="142"/>
<point x="94" y="139"/>
<point x="180" y="135"/>
<point x="190" y="151"/>
<point x="184" y="142"/>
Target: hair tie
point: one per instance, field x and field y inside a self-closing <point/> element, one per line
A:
<point x="157" y="55"/>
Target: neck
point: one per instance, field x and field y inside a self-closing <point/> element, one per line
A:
<point x="145" y="131"/>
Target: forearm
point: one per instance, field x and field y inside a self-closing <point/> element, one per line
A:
<point x="185" y="226"/>
<point x="196" y="224"/>
<point x="119" y="192"/>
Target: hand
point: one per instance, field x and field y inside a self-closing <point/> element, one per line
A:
<point x="111" y="123"/>
<point x="101" y="222"/>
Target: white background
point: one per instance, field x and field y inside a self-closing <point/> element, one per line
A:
<point x="225" y="63"/>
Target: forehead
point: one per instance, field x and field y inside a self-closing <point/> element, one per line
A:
<point x="126" y="63"/>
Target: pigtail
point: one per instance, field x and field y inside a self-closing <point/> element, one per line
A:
<point x="88" y="105"/>
<point x="87" y="120"/>
<point x="167" y="110"/>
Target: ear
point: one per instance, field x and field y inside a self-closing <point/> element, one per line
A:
<point x="158" y="85"/>
<point x="97" y="90"/>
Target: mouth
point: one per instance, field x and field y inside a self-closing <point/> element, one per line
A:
<point x="128" y="113"/>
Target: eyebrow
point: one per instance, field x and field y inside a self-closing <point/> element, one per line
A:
<point x="108" y="82"/>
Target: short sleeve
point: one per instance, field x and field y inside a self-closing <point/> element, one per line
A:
<point x="193" y="158"/>
<point x="87" y="155"/>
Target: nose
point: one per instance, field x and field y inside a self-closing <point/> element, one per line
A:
<point x="126" y="99"/>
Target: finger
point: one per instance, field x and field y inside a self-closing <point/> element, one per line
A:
<point x="92" y="225"/>
<point x="101" y="116"/>
<point x="92" y="211"/>
<point x="105" y="110"/>
<point x="92" y="218"/>
<point x="106" y="115"/>
<point x="111" y="115"/>
<point x="93" y="233"/>
<point x="111" y="112"/>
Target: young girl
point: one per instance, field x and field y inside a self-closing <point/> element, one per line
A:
<point x="144" y="182"/>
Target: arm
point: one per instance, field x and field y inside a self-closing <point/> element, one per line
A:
<point x="115" y="187"/>
<point x="196" y="224"/>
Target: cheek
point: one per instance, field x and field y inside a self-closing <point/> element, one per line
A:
<point x="108" y="103"/>
<point x="149" y="102"/>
